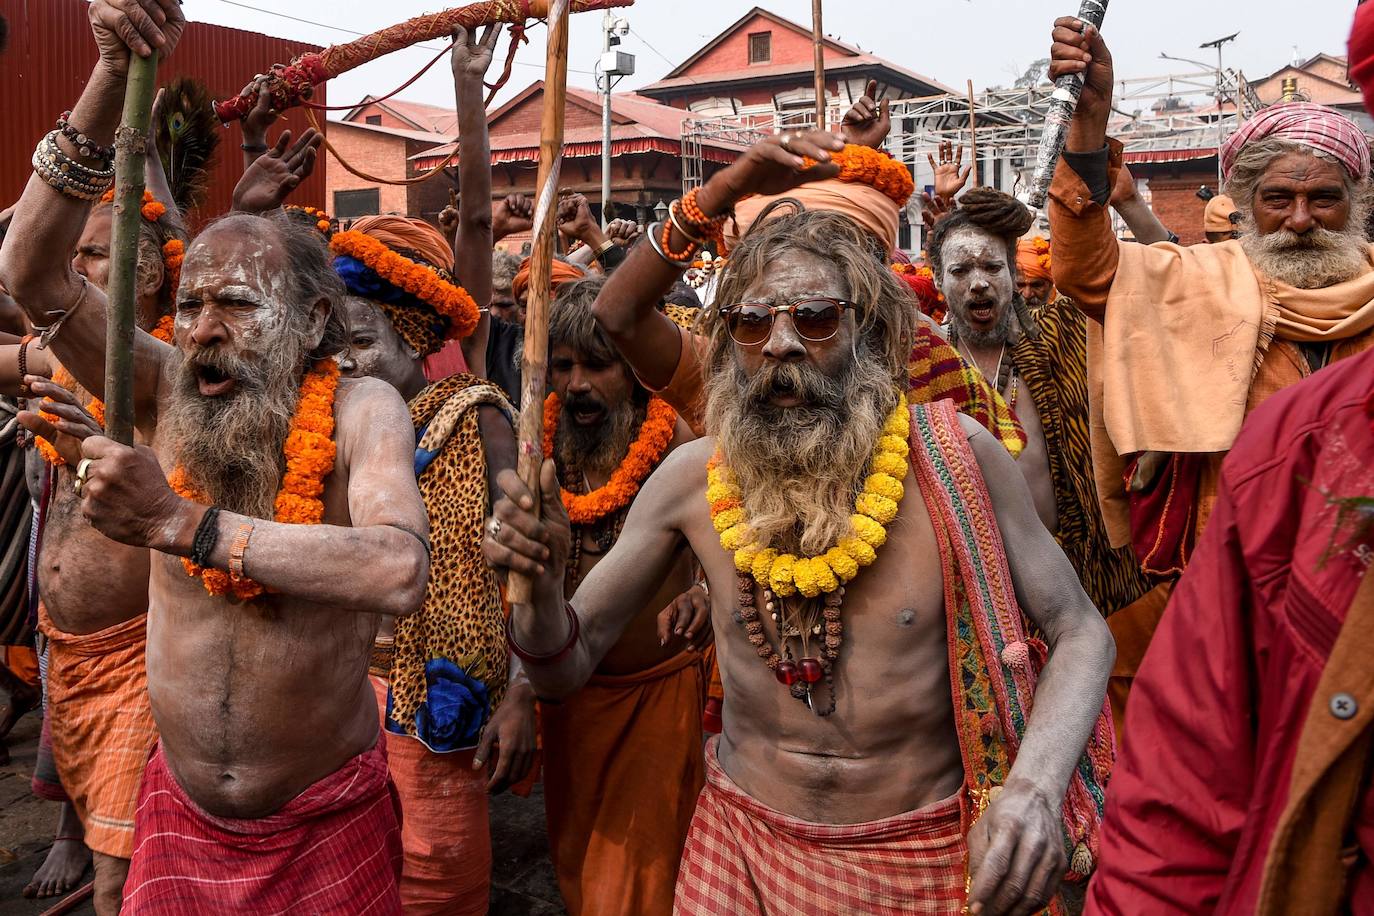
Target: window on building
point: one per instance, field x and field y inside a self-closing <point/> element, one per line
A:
<point x="761" y="48"/>
<point x="374" y="120"/>
<point x="362" y="202"/>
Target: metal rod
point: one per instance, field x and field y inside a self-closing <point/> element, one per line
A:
<point x="972" y="134"/>
<point x="818" y="40"/>
<point x="606" y="25"/>
<point x="130" y="141"/>
<point x="519" y="589"/>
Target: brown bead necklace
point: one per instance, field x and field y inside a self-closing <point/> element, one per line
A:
<point x="800" y="678"/>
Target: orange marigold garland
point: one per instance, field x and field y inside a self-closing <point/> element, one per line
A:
<point x="96" y="407"/>
<point x="173" y="254"/>
<point x="645" y="453"/>
<point x="152" y="210"/>
<point x="323" y="223"/>
<point x="421" y="282"/>
<point x="309" y="451"/>
<point x="865" y="165"/>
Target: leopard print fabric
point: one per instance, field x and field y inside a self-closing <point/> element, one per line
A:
<point x="462" y="618"/>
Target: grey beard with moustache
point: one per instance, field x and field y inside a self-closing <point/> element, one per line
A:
<point x="1000" y="333"/>
<point x="800" y="468"/>
<point x="1314" y="260"/>
<point x="231" y="446"/>
<point x="601" y="448"/>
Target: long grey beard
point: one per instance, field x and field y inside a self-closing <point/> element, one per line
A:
<point x="231" y="447"/>
<point x="799" y="468"/>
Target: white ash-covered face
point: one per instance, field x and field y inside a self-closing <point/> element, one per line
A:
<point x="374" y="347"/>
<point x="977" y="281"/>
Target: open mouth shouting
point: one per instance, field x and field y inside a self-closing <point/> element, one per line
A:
<point x="982" y="311"/>
<point x="213" y="381"/>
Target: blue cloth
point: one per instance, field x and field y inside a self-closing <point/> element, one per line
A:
<point x="456" y="707"/>
<point x="363" y="281"/>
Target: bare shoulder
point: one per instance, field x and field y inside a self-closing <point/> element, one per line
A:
<point x="368" y="411"/>
<point x="681" y="475"/>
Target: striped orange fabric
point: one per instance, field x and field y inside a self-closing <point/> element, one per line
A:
<point x="746" y="859"/>
<point x="102" y="726"/>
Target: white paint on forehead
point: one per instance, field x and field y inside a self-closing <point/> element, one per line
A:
<point x="969" y="244"/>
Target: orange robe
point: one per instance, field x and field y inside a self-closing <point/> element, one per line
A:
<point x="102" y="726"/>
<point x="623" y="766"/>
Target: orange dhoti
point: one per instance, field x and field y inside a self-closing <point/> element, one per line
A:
<point x="102" y="726"/>
<point x="444" y="828"/>
<point x="623" y="767"/>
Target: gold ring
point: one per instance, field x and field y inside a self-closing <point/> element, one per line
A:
<point x="82" y="470"/>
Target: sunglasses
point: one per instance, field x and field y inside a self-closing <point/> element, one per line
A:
<point x="816" y="318"/>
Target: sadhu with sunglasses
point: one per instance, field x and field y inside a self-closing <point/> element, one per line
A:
<point x="828" y="515"/>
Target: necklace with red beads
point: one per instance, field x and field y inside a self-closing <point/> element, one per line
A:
<point x="826" y="629"/>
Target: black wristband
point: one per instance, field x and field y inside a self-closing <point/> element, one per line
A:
<point x="1092" y="168"/>
<point x="253" y="147"/>
<point x="207" y="536"/>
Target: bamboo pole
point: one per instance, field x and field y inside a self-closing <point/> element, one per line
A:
<point x="972" y="134"/>
<point x="535" y="364"/>
<point x="818" y="42"/>
<point x="130" y="142"/>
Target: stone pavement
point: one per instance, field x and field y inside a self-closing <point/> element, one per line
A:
<point x="522" y="882"/>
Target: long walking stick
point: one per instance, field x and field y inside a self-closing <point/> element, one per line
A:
<point x="535" y="365"/>
<point x="1063" y="103"/>
<point x="130" y="141"/>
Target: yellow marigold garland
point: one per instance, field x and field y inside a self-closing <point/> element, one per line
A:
<point x="420" y="281"/>
<point x="645" y="453"/>
<point x="322" y="221"/>
<point x="309" y="452"/>
<point x="878" y="170"/>
<point x="96" y="407"/>
<point x="874" y="508"/>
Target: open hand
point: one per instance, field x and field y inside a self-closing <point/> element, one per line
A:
<point x="68" y="423"/>
<point x="867" y="123"/>
<point x="950" y="172"/>
<point x="272" y="177"/>
<point x="689" y="617"/>
<point x="140" y="26"/>
<point x="508" y="742"/>
<point x="1016" y="854"/>
<point x="512" y="215"/>
<point x="471" y="55"/>
<point x="778" y="163"/>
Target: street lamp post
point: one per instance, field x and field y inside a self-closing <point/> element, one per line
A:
<point x="613" y="64"/>
<point x="1217" y="44"/>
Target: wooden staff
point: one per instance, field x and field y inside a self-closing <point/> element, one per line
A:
<point x="535" y="365"/>
<point x="818" y="40"/>
<point x="130" y="142"/>
<point x="1063" y="103"/>
<point x="972" y="134"/>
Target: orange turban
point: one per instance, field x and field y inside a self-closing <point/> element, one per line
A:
<point x="1033" y="259"/>
<point x="405" y="235"/>
<point x="563" y="272"/>
<point x="874" y="211"/>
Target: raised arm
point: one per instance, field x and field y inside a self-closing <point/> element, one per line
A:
<point x="1139" y="218"/>
<point x="609" y="597"/>
<point x="1085" y="250"/>
<point x="377" y="565"/>
<point x="472" y="246"/>
<point x="35" y="261"/>
<point x="627" y="308"/>
<point x="1016" y="849"/>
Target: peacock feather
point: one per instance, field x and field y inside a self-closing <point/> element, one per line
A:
<point x="187" y="136"/>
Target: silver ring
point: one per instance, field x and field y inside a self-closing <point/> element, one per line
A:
<point x="786" y="142"/>
<point x="494" y="528"/>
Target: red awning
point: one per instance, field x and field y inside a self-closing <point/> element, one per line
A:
<point x="592" y="150"/>
<point x="1167" y="155"/>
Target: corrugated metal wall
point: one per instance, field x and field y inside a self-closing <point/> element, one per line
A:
<point x="50" y="56"/>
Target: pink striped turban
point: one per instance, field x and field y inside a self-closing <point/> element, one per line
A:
<point x="1323" y="129"/>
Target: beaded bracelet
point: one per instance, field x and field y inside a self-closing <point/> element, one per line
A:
<point x="207" y="535"/>
<point x="24" y="363"/>
<point x="88" y="147"/>
<point x="67" y="176"/>
<point x="238" y="548"/>
<point x="652" y="234"/>
<point x="551" y="658"/>
<point x="683" y="257"/>
<point x="709" y="227"/>
<point x="68" y="165"/>
<point x="673" y="209"/>
<point x="64" y="184"/>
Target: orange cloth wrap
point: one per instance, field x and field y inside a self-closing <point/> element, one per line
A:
<point x="102" y="725"/>
<point x="1033" y="259"/>
<point x="622" y="770"/>
<point x="563" y="272"/>
<point x="396" y="232"/>
<point x="444" y="830"/>
<point x="870" y="208"/>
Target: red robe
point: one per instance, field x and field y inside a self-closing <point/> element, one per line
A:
<point x="1233" y="733"/>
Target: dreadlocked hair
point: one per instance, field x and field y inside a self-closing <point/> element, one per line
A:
<point x="572" y="325"/>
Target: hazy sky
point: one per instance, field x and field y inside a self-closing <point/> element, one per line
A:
<point x="988" y="41"/>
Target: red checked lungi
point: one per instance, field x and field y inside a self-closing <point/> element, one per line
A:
<point x="746" y="859"/>
<point x="335" y="848"/>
